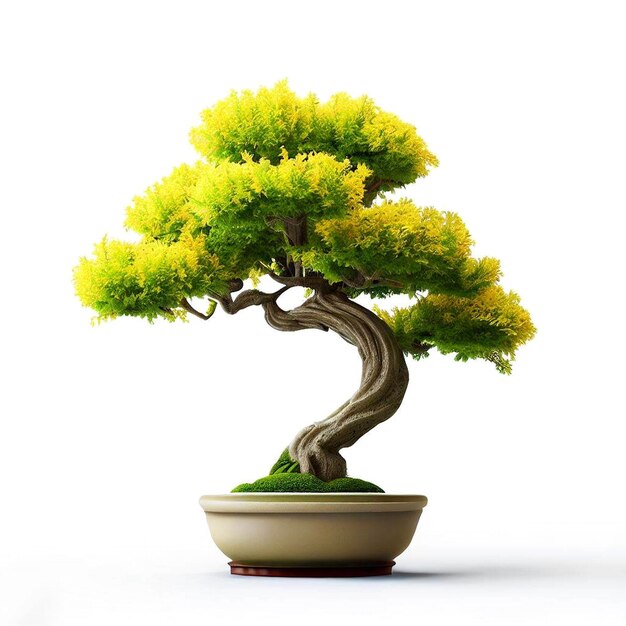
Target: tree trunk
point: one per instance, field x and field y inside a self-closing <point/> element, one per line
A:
<point x="383" y="382"/>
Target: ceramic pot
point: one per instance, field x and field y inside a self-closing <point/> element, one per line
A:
<point x="312" y="534"/>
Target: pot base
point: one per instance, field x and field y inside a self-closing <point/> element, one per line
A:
<point x="371" y="569"/>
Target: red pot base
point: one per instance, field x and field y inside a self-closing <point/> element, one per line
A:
<point x="373" y="569"/>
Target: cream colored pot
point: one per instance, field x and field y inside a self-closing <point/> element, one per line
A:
<point x="303" y="533"/>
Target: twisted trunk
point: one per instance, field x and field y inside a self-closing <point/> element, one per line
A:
<point x="383" y="382"/>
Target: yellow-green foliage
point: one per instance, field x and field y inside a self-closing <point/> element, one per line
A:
<point x="165" y="211"/>
<point x="270" y="157"/>
<point x="261" y="124"/>
<point x="244" y="206"/>
<point x="490" y="325"/>
<point x="272" y="160"/>
<point x="146" y="278"/>
<point x="417" y="248"/>
<point x="315" y="185"/>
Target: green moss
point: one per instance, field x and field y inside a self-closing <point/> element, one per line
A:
<point x="285" y="464"/>
<point x="307" y="483"/>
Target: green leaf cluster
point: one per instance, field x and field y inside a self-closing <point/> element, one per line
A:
<point x="246" y="207"/>
<point x="490" y="325"/>
<point x="165" y="211"/>
<point x="262" y="124"/>
<point x="147" y="279"/>
<point x="402" y="247"/>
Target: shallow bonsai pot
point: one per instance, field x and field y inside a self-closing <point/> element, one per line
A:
<point x="312" y="534"/>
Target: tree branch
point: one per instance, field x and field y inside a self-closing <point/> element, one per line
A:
<point x="319" y="283"/>
<point x="236" y="284"/>
<point x="355" y="283"/>
<point x="360" y="281"/>
<point x="372" y="190"/>
<point x="420" y="347"/>
<point x="249" y="297"/>
<point x="184" y="303"/>
<point x="375" y="185"/>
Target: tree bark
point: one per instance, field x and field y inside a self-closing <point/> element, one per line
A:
<point x="383" y="382"/>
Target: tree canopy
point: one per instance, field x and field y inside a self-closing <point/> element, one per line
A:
<point x="298" y="189"/>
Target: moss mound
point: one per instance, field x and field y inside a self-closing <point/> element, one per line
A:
<point x="285" y="464"/>
<point x="307" y="483"/>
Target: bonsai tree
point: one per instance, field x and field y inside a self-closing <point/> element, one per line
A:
<point x="297" y="190"/>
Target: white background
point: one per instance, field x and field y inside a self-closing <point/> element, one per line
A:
<point x="110" y="434"/>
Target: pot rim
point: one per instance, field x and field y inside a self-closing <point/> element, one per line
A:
<point x="311" y="502"/>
